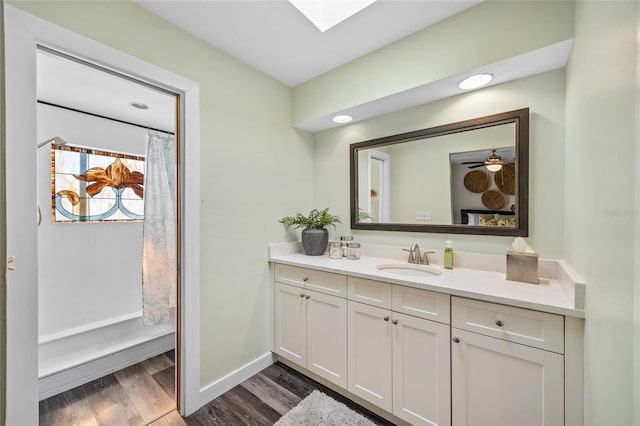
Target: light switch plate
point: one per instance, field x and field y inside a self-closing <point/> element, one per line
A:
<point x="423" y="215"/>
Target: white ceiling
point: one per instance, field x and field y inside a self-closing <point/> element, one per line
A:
<point x="70" y="84"/>
<point x="274" y="37"/>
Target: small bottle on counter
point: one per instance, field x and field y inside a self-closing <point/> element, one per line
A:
<point x="353" y="251"/>
<point x="448" y="256"/>
<point x="344" y="240"/>
<point x="335" y="250"/>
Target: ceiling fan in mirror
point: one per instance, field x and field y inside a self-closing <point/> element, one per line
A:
<point x="493" y="163"/>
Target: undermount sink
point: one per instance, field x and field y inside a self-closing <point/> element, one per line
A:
<point x="409" y="269"/>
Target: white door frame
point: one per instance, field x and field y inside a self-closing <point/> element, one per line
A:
<point x="22" y="34"/>
<point x="384" y="201"/>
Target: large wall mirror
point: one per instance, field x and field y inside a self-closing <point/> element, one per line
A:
<point x="469" y="177"/>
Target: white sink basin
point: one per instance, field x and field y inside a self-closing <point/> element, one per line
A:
<point x="409" y="269"/>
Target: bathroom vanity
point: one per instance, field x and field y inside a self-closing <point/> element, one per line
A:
<point x="429" y="345"/>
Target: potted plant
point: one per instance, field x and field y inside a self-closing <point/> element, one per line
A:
<point x="315" y="235"/>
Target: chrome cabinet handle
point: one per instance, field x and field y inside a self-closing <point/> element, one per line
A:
<point x="394" y="321"/>
<point x="301" y="294"/>
<point x="305" y="279"/>
<point x="456" y="340"/>
<point x="499" y="323"/>
<point x="386" y="318"/>
<point x="308" y="296"/>
<point x="10" y="260"/>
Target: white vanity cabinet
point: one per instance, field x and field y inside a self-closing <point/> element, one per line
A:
<point x="429" y="357"/>
<point x="310" y="326"/>
<point x="370" y="354"/>
<point x="507" y="365"/>
<point x="399" y="362"/>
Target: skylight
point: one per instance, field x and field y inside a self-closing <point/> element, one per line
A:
<point x="325" y="14"/>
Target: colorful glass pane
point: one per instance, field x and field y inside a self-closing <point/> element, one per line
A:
<point x="91" y="185"/>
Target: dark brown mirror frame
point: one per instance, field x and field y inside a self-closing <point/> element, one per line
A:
<point x="519" y="117"/>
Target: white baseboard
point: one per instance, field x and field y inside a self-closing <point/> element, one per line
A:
<point x="101" y="366"/>
<point x="231" y="380"/>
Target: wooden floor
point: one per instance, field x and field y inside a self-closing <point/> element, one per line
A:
<point x="136" y="395"/>
<point x="263" y="399"/>
<point x="123" y="399"/>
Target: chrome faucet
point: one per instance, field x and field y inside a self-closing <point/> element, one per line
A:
<point x="415" y="256"/>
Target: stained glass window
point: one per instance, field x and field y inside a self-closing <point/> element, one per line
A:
<point x="91" y="185"/>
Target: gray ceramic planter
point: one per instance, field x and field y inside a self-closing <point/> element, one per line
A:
<point x="314" y="241"/>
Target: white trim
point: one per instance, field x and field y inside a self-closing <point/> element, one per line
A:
<point x="384" y="206"/>
<point x="103" y="364"/>
<point x="190" y="282"/>
<point x="85" y="328"/>
<point x="233" y="379"/>
<point x="71" y="362"/>
<point x="574" y="401"/>
<point x="20" y="51"/>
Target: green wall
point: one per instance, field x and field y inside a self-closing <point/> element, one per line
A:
<point x="249" y="151"/>
<point x="601" y="188"/>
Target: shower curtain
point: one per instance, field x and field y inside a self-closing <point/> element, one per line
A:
<point x="159" y="263"/>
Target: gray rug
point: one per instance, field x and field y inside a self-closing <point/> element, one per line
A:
<point x="320" y="410"/>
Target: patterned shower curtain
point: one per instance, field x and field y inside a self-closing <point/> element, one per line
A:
<point x="159" y="263"/>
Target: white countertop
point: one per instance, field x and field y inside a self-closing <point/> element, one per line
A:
<point x="559" y="294"/>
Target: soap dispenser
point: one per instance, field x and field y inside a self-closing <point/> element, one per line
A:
<point x="448" y="256"/>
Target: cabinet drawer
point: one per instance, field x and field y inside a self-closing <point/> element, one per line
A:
<point x="421" y="303"/>
<point x="538" y="329"/>
<point x="371" y="292"/>
<point x="324" y="282"/>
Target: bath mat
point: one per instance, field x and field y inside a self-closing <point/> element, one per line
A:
<point x="320" y="410"/>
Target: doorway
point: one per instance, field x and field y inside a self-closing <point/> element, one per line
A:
<point x="378" y="194"/>
<point x="107" y="176"/>
<point x="23" y="32"/>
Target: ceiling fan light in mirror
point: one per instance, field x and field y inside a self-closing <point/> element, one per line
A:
<point x="475" y="81"/>
<point x="494" y="167"/>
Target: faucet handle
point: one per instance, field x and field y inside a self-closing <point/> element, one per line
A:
<point x="411" y="255"/>
<point x="414" y="254"/>
<point x="426" y="256"/>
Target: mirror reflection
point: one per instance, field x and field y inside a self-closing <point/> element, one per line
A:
<point x="467" y="177"/>
<point x="483" y="188"/>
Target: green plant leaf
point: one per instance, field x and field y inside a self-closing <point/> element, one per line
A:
<point x="317" y="219"/>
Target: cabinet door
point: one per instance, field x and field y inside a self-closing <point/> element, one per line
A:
<point x="495" y="382"/>
<point x="327" y="337"/>
<point x="370" y="354"/>
<point x="290" y="323"/>
<point x="421" y="371"/>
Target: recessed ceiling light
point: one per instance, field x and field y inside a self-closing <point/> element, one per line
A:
<point x="475" y="81"/>
<point x="139" y="105"/>
<point x="340" y="119"/>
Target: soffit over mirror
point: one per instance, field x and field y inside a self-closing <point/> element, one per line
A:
<point x="469" y="177"/>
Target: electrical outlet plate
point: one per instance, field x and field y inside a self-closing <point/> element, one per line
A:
<point x="423" y="215"/>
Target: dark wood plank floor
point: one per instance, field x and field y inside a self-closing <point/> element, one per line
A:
<point x="134" y="396"/>
<point x="140" y="394"/>
<point x="263" y="399"/>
